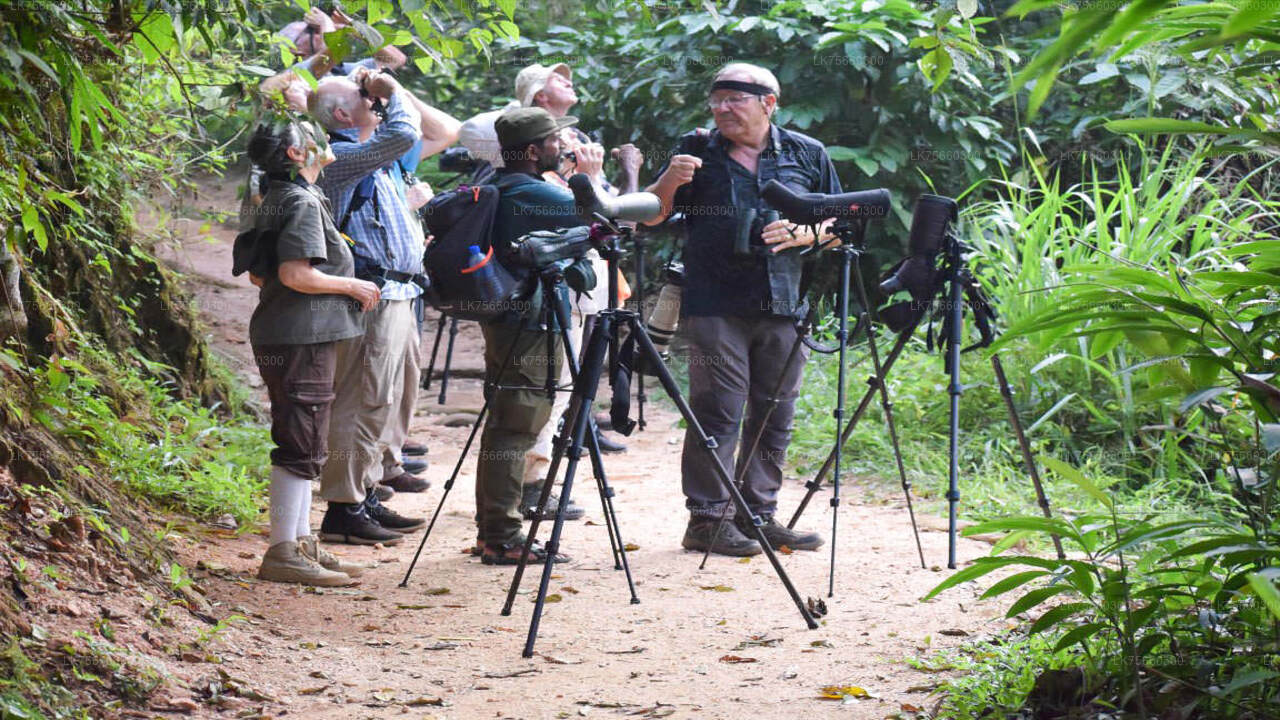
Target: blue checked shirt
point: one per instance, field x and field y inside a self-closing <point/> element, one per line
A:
<point x="384" y="232"/>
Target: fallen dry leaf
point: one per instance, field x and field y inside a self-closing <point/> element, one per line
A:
<point x="570" y="590"/>
<point x="315" y="690"/>
<point x="758" y="641"/>
<point x="954" y="632"/>
<point x="736" y="659"/>
<point x="631" y="547"/>
<point x="717" y="588"/>
<point x="438" y="591"/>
<point x="840" y="692"/>
<point x="414" y="607"/>
<point x="419" y="702"/>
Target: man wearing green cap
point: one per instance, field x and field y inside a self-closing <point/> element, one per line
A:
<point x="530" y="142"/>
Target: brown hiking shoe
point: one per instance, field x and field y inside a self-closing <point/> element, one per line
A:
<point x="283" y="563"/>
<point x="309" y="547"/>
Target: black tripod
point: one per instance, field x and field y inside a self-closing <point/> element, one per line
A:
<point x="554" y="316"/>
<point x="602" y="343"/>
<point x="452" y="322"/>
<point x="952" y="289"/>
<point x="851" y="233"/>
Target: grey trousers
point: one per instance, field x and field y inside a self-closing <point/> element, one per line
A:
<point x="734" y="364"/>
<point x="370" y="370"/>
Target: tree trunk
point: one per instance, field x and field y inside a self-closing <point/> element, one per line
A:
<point x="13" y="320"/>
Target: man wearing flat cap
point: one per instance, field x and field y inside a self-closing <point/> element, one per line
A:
<point x="530" y="143"/>
<point x="740" y="311"/>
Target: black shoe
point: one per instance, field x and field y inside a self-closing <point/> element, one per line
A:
<point x="780" y="535"/>
<point x="529" y="504"/>
<point x="607" y="445"/>
<point x="390" y="519"/>
<point x="413" y="448"/>
<point x="350" y="523"/>
<point x="730" y="541"/>
<point x="413" y="467"/>
<point x="509" y="553"/>
<point x="407" y="483"/>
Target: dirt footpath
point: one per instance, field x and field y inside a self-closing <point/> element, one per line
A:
<point x="724" y="642"/>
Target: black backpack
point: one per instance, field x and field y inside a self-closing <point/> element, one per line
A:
<point x="458" y="219"/>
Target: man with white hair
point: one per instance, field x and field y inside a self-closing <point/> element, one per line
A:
<point x="388" y="245"/>
<point x="740" y="311"/>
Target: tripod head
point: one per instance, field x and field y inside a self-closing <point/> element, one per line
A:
<point x="935" y="287"/>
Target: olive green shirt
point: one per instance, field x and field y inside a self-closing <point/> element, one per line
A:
<point x="306" y="231"/>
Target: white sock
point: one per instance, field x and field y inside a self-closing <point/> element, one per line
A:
<point x="303" y="526"/>
<point x="287" y="491"/>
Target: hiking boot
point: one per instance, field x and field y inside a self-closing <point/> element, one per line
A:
<point x="390" y="519"/>
<point x="283" y="563"/>
<point x="529" y="504"/>
<point x="509" y="553"/>
<point x="383" y="493"/>
<point x="730" y="541"/>
<point x="780" y="535"/>
<point x="406" y="483"/>
<point x="350" y="523"/>
<point x="413" y="448"/>
<point x="609" y="445"/>
<point x="413" y="467"/>
<point x="309" y="547"/>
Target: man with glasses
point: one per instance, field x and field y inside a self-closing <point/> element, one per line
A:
<point x="740" y="310"/>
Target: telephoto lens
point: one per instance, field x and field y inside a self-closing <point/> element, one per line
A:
<point x="664" y="319"/>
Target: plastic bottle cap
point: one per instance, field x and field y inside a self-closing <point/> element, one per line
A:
<point x="474" y="249"/>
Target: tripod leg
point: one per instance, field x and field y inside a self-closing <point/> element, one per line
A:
<point x="448" y="360"/>
<point x="435" y="350"/>
<point x="653" y="360"/>
<point x="955" y="318"/>
<point x="755" y="441"/>
<point x="457" y="468"/>
<point x="814" y="485"/>
<point x="597" y="463"/>
<point x="641" y="397"/>
<point x="585" y="389"/>
<point x="843" y="338"/>
<point x="886" y="404"/>
<point x="1041" y="498"/>
<point x="448" y="485"/>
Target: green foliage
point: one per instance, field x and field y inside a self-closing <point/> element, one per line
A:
<point x="173" y="452"/>
<point x="1240" y="36"/>
<point x="1160" y="295"/>
<point x="994" y="677"/>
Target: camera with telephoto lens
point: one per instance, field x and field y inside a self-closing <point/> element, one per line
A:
<point x="664" y="319"/>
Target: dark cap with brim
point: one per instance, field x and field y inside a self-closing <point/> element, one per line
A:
<point x="520" y="126"/>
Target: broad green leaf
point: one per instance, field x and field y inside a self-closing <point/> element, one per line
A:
<point x="1053" y="616"/>
<point x="1078" y="635"/>
<point x="1201" y="397"/>
<point x="1077" y="478"/>
<point x="1246" y="677"/>
<point x="1033" y="598"/>
<point x="1012" y="582"/>
<point x="1251" y="14"/>
<point x="981" y="567"/>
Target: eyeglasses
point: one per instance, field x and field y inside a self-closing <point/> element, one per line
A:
<point x="731" y="101"/>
